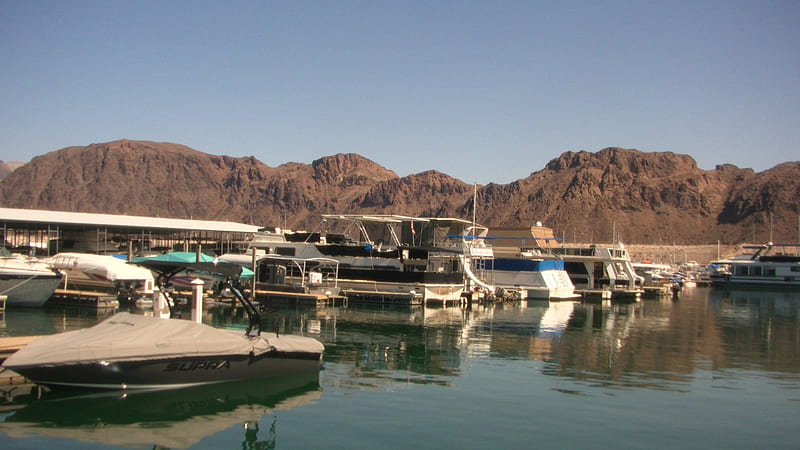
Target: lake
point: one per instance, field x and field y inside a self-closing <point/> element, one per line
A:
<point x="712" y="368"/>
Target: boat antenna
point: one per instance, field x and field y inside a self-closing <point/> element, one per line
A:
<point x="474" y="204"/>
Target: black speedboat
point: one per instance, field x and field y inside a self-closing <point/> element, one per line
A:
<point x="128" y="351"/>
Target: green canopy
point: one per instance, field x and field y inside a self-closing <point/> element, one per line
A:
<point x="180" y="257"/>
<point x="188" y="258"/>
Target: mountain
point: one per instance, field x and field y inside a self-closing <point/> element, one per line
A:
<point x="623" y="194"/>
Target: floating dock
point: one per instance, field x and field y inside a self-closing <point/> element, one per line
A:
<point x="658" y="290"/>
<point x="299" y="298"/>
<point x="393" y="298"/>
<point x="88" y="299"/>
<point x="594" y="294"/>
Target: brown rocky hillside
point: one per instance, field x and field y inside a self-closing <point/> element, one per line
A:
<point x="628" y="195"/>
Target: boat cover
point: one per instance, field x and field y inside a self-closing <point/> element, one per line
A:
<point x="104" y="266"/>
<point x="131" y="337"/>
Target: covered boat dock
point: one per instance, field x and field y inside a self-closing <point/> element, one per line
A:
<point x="45" y="233"/>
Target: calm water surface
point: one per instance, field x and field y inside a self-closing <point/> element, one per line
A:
<point x="714" y="368"/>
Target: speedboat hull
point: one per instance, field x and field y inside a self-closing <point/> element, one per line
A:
<point x="173" y="372"/>
<point x="128" y="351"/>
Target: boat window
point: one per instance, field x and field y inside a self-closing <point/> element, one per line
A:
<point x="285" y="251"/>
<point x="755" y="271"/>
<point x="741" y="270"/>
<point x="769" y="271"/>
<point x="795" y="269"/>
<point x="575" y="267"/>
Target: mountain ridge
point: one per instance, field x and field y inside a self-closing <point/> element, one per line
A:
<point x="611" y="194"/>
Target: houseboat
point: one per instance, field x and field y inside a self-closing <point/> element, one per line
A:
<point x="524" y="262"/>
<point x="602" y="270"/>
<point x="768" y="266"/>
<point x="593" y="271"/>
<point x="382" y="258"/>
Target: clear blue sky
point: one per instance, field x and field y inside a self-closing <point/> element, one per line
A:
<point x="485" y="91"/>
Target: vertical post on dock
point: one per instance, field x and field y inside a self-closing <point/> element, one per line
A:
<point x="197" y="300"/>
<point x="253" y="287"/>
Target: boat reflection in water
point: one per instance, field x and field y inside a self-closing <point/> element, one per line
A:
<point x="175" y="418"/>
<point x="659" y="344"/>
<point x="708" y="363"/>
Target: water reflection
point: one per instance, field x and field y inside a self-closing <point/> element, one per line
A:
<point x="760" y="329"/>
<point x="168" y="418"/>
<point x="653" y="344"/>
<point x="49" y="320"/>
<point x="724" y="338"/>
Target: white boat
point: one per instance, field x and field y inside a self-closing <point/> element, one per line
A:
<point x="653" y="272"/>
<point x="768" y="265"/>
<point x="26" y="281"/>
<point x="523" y="262"/>
<point x="606" y="270"/>
<point x="103" y="272"/>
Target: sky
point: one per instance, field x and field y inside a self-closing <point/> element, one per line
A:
<point x="484" y="91"/>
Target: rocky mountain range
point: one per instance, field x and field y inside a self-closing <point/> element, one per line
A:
<point x="612" y="194"/>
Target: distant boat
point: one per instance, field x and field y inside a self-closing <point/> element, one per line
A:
<point x="766" y="266"/>
<point x="26" y="281"/>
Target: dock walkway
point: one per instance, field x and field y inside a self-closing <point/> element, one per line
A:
<point x="9" y="345"/>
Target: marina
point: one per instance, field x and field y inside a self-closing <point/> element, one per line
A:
<point x="710" y="364"/>
<point x="416" y="315"/>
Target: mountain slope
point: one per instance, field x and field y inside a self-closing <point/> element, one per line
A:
<point x="622" y="194"/>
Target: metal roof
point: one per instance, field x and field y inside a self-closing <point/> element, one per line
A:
<point x="21" y="217"/>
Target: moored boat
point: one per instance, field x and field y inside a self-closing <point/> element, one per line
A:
<point x="103" y="273"/>
<point x="605" y="269"/>
<point x="524" y="262"/>
<point x="768" y="266"/>
<point x="128" y="351"/>
<point x="26" y="281"/>
<point x="381" y="258"/>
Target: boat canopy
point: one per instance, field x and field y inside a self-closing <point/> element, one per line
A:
<point x="189" y="260"/>
<point x="131" y="337"/>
